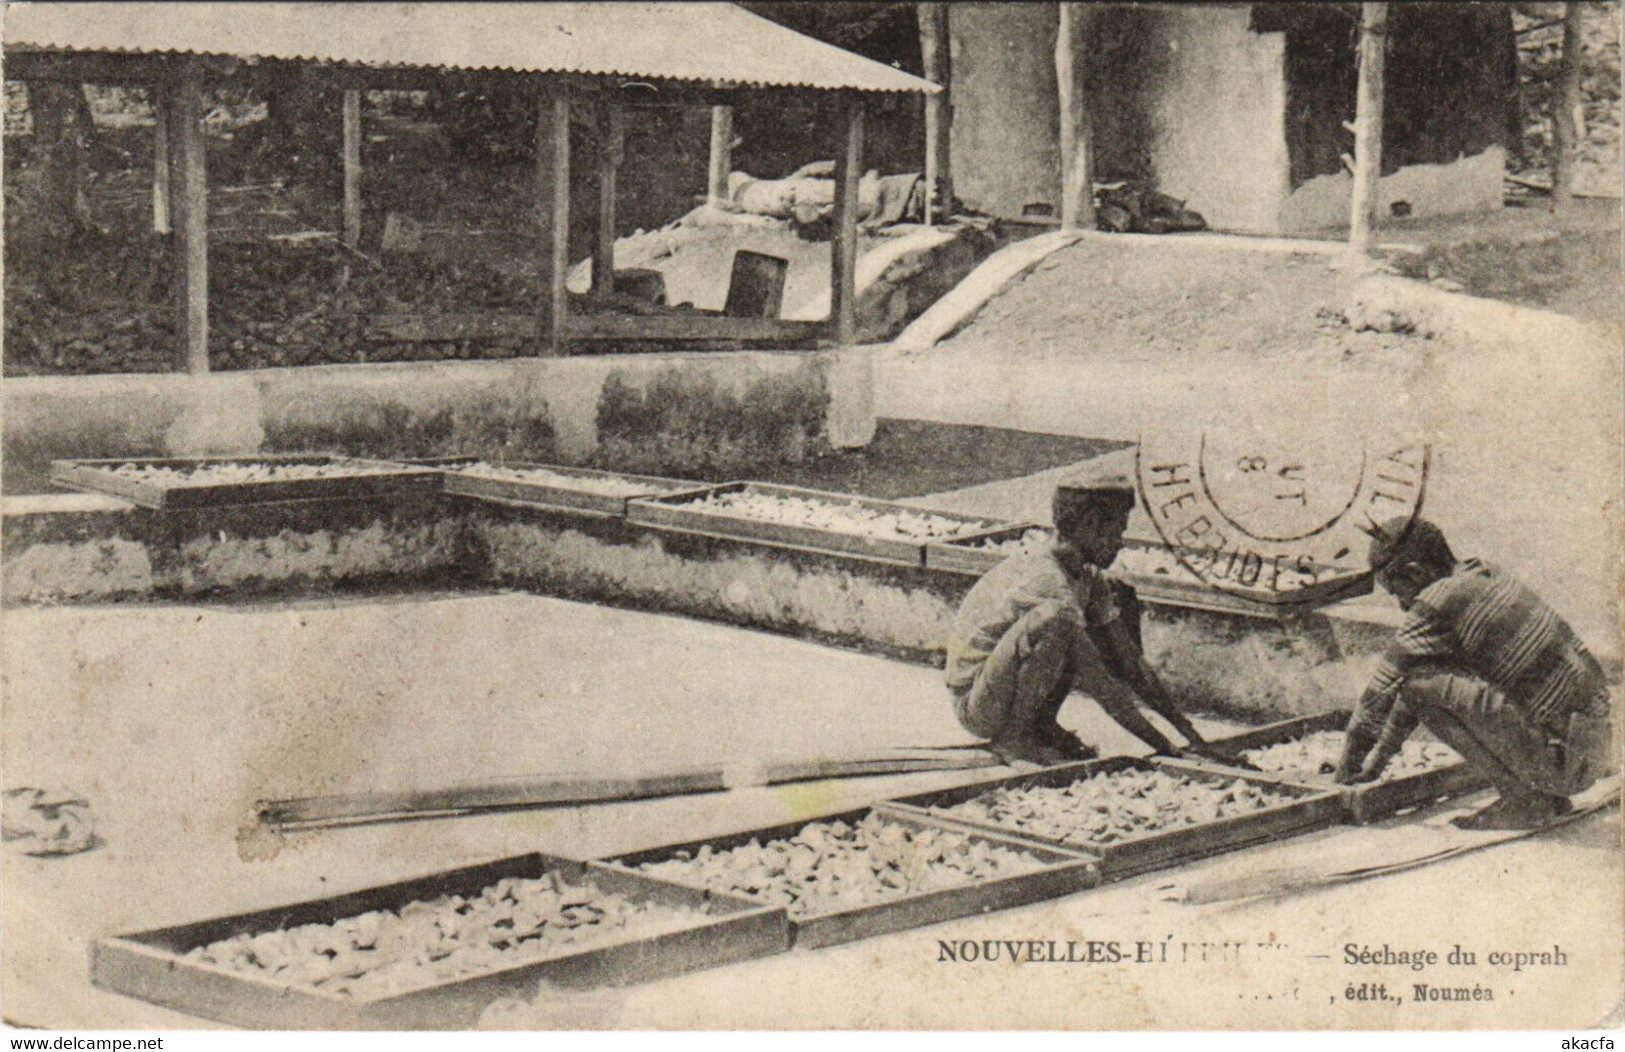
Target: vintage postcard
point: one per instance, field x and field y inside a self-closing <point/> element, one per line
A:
<point x="799" y="516"/>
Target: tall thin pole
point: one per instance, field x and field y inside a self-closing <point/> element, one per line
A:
<point x="1368" y="125"/>
<point x="939" y="113"/>
<point x="844" y="252"/>
<point x="1565" y="129"/>
<point x="553" y="218"/>
<point x="720" y="164"/>
<point x="611" y="151"/>
<point x="352" y="168"/>
<point x="160" y="164"/>
<point x="1077" y="125"/>
<point x="189" y="208"/>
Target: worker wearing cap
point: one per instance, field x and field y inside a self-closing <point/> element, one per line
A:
<point x="1492" y="671"/>
<point x="1038" y="625"/>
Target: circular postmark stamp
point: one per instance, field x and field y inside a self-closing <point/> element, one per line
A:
<point x="1279" y="520"/>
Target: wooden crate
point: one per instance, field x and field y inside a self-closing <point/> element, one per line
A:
<point x="961" y="555"/>
<point x="151" y="966"/>
<point x="1372" y="801"/>
<point x="1182" y="588"/>
<point x="669" y="512"/>
<point x="390" y="480"/>
<point x="555" y="496"/>
<point x="1066" y="872"/>
<point x="1307" y="809"/>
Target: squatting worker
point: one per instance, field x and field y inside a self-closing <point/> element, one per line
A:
<point x="1492" y="671"/>
<point x="1038" y="625"/>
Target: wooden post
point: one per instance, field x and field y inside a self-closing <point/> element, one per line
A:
<point x="1565" y="129"/>
<point x="844" y="250"/>
<point x="553" y="217"/>
<point x="939" y="112"/>
<point x="611" y="152"/>
<point x="160" y="163"/>
<point x="189" y="210"/>
<point x="721" y="163"/>
<point x="1072" y="41"/>
<point x="1368" y="125"/>
<point x="352" y="167"/>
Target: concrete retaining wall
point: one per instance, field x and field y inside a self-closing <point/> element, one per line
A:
<point x="92" y="549"/>
<point x="728" y="410"/>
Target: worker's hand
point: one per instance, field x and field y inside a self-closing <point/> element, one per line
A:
<point x="1347" y="776"/>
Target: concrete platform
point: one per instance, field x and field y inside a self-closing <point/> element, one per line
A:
<point x="175" y="718"/>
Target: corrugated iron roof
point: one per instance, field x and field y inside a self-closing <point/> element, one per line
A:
<point x="706" y="42"/>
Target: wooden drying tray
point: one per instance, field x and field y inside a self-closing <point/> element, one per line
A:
<point x="386" y="479"/>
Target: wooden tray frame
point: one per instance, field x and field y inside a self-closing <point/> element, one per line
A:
<point x="667" y="512"/>
<point x="1067" y="872"/>
<point x="1312" y="809"/>
<point x="961" y="555"/>
<point x="149" y="965"/>
<point x="1184" y="591"/>
<point x="95" y="476"/>
<point x="541" y="494"/>
<point x="1373" y="801"/>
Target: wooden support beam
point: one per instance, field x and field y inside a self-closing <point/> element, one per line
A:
<point x="611" y="152"/>
<point x="1566" y="130"/>
<point x="1072" y="43"/>
<point x="1368" y="125"/>
<point x="160" y="165"/>
<point x="939" y="112"/>
<point x="352" y="167"/>
<point x="721" y="162"/>
<point x="553" y="218"/>
<point x="844" y="250"/>
<point x="189" y="210"/>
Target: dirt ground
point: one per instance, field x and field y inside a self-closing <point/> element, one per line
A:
<point x="1131" y="340"/>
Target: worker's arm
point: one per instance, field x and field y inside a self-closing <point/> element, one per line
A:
<point x="1118" y="637"/>
<point x="1117" y="698"/>
<point x="1425" y="639"/>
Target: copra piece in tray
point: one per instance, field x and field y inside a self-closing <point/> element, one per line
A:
<point x="218" y="481"/>
<point x="840" y="865"/>
<point x="1116" y="806"/>
<point x="1314" y="758"/>
<point x="834" y="514"/>
<point x="430" y="941"/>
<point x="602" y="485"/>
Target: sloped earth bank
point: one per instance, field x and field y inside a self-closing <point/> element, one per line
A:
<point x="1121" y="341"/>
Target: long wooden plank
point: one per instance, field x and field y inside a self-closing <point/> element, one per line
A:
<point x="574" y="790"/>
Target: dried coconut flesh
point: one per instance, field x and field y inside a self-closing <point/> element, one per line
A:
<point x="600" y="486"/>
<point x="831" y="866"/>
<point x="234" y="474"/>
<point x="835" y="515"/>
<point x="1109" y="808"/>
<point x="386" y="952"/>
<point x="1314" y="758"/>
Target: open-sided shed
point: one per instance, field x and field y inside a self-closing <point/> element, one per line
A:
<point x="582" y="61"/>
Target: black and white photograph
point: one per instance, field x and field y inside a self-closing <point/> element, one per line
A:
<point x="811" y="516"/>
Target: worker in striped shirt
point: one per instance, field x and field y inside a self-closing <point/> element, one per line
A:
<point x="1492" y="671"/>
<point x="1038" y="625"/>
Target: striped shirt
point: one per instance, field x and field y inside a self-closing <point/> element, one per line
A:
<point x="1006" y="593"/>
<point x="1481" y="622"/>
